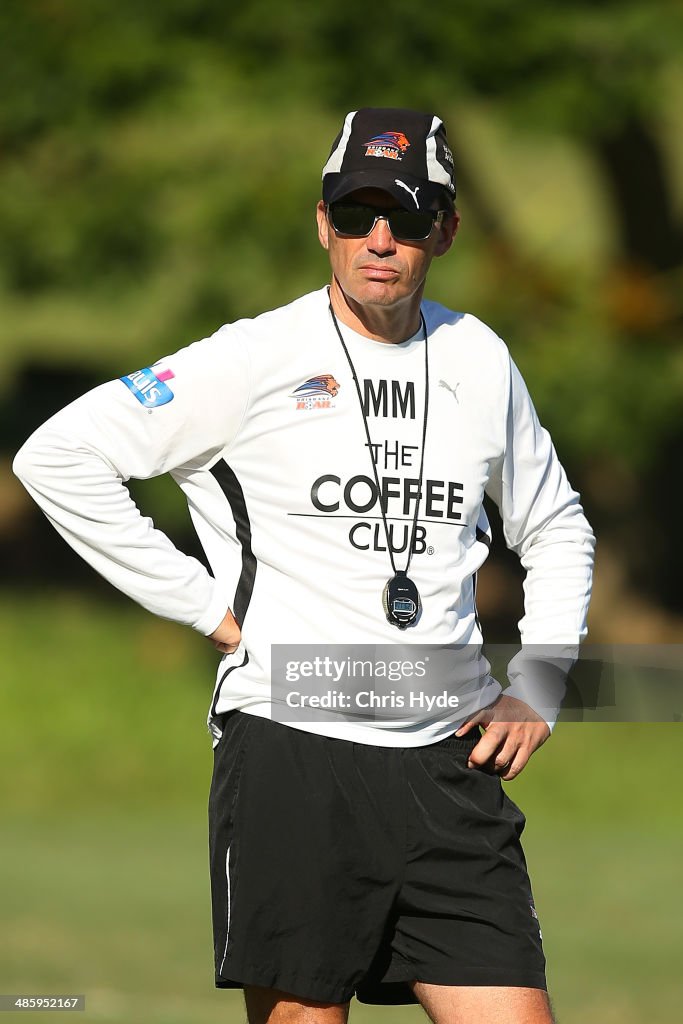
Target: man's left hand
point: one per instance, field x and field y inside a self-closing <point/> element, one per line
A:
<point x="513" y="732"/>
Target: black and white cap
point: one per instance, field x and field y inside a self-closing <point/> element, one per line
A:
<point x="401" y="151"/>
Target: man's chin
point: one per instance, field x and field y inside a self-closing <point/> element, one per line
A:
<point x="378" y="293"/>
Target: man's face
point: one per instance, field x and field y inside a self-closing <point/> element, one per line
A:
<point x="378" y="270"/>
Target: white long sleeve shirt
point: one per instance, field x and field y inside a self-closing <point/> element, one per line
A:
<point x="261" y="427"/>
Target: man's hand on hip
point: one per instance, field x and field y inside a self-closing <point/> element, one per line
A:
<point x="228" y="635"/>
<point x="513" y="732"/>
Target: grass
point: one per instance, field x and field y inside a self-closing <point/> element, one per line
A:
<point x="105" y="878"/>
<point x="117" y="907"/>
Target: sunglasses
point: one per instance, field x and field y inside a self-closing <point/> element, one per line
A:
<point x="356" y="220"/>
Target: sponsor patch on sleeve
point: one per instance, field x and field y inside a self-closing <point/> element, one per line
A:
<point x="149" y="385"/>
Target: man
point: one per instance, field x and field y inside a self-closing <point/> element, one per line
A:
<point x="334" y="454"/>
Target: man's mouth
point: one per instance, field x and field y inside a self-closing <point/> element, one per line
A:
<point x="379" y="273"/>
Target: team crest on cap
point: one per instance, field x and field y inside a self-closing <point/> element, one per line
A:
<point x="316" y="392"/>
<point x="388" y="144"/>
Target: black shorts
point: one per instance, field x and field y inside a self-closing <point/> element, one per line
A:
<point x="339" y="868"/>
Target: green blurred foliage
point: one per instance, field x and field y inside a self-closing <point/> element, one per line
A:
<point x="160" y="165"/>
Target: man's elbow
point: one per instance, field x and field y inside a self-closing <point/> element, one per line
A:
<point x="24" y="462"/>
<point x="32" y="460"/>
<point x="567" y="532"/>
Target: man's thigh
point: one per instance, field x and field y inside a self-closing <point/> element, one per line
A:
<point x="447" y="1004"/>
<point x="466" y="915"/>
<point x="306" y="859"/>
<point x="444" y="1005"/>
<point x="269" y="1006"/>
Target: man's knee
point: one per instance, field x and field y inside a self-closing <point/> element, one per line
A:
<point x="270" y="1006"/>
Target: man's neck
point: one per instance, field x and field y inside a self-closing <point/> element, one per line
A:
<point x="388" y="324"/>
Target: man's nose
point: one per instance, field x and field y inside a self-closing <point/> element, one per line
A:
<point x="380" y="239"/>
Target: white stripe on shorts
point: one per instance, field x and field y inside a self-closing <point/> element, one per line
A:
<point x="227" y="927"/>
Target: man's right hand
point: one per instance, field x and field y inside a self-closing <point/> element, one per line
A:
<point x="228" y="635"/>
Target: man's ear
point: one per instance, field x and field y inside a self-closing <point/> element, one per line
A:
<point x="323" y="224"/>
<point x="448" y="231"/>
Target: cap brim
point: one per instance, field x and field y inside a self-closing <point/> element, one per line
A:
<point x="411" y="192"/>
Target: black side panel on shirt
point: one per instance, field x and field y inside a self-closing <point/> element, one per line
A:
<point x="483" y="537"/>
<point x="245" y="661"/>
<point x="232" y="490"/>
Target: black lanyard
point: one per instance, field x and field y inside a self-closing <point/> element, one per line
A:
<point x="400" y="598"/>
